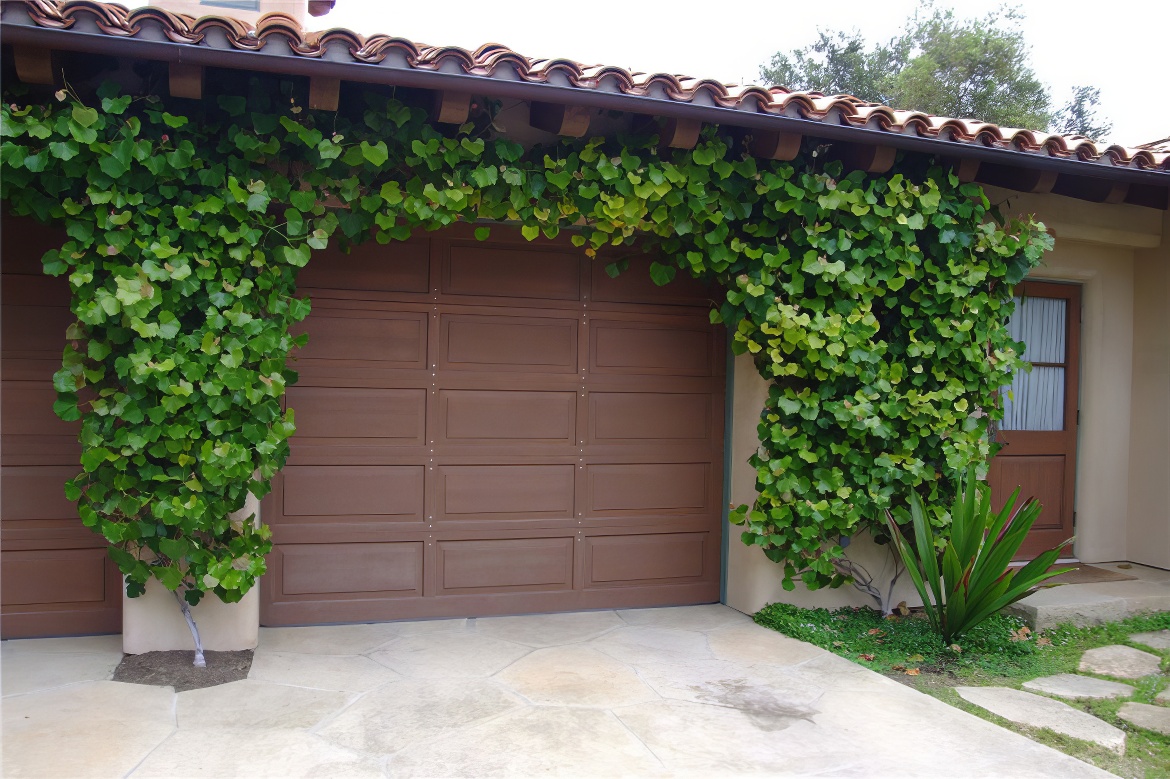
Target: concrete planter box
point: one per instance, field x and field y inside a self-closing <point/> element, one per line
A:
<point x="153" y="622"/>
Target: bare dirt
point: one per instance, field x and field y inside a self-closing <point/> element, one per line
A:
<point x="175" y="669"/>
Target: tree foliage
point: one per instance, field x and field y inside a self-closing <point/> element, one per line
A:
<point x="876" y="306"/>
<point x="939" y="64"/>
<point x="1079" y="116"/>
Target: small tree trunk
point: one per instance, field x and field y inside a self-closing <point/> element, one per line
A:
<point x="200" y="662"/>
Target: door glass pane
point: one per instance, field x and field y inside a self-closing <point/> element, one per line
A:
<point x="1039" y="323"/>
<point x="1036" y="400"/>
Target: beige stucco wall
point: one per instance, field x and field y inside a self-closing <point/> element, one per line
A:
<point x="153" y="622"/>
<point x="1118" y="253"/>
<point x="1148" y="537"/>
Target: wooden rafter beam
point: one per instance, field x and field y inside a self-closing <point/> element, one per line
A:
<point x="775" y="145"/>
<point x="324" y="93"/>
<point x="186" y="80"/>
<point x="34" y="65"/>
<point x="568" y="120"/>
<point x="680" y="133"/>
<point x="966" y="169"/>
<point x="865" y="157"/>
<point x="1019" y="179"/>
<point x="451" y="107"/>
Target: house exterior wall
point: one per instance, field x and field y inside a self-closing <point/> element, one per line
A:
<point x="1148" y="539"/>
<point x="1119" y="254"/>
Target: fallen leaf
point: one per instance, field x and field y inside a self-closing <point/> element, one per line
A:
<point x="956" y="648"/>
<point x="912" y="672"/>
<point x="876" y="632"/>
<point x="915" y="658"/>
<point x="868" y="658"/>
<point x="898" y="667"/>
<point x="1044" y="641"/>
<point x="838" y="643"/>
<point x="1023" y="634"/>
<point x="903" y="609"/>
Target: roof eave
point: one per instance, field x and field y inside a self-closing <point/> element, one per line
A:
<point x="389" y="74"/>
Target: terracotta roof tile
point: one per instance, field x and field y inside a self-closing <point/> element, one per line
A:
<point x="493" y="60"/>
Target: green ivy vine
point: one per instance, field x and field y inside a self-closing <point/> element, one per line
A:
<point x="875" y="305"/>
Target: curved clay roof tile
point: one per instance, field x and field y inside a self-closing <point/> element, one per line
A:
<point x="491" y="58"/>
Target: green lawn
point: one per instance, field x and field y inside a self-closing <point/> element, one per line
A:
<point x="1001" y="652"/>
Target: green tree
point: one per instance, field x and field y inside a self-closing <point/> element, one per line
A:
<point x="1079" y="116"/>
<point x="939" y="64"/>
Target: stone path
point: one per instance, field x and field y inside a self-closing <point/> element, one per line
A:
<point x="698" y="692"/>
<point x="1117" y="661"/>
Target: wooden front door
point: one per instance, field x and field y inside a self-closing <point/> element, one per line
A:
<point x="1039" y="428"/>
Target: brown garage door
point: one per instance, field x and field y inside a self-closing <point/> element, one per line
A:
<point x="497" y="427"/>
<point x="55" y="576"/>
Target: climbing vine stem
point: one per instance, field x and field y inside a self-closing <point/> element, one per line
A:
<point x="875" y="306"/>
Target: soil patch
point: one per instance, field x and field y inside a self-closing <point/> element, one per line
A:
<point x="174" y="669"/>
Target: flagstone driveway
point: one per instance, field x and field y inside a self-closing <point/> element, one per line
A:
<point x="691" y="691"/>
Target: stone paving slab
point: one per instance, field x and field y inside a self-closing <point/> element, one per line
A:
<point x="1037" y="711"/>
<point x="24" y="671"/>
<point x="1164" y="696"/>
<point x="659" y="692"/>
<point x="1122" y="662"/>
<point x="1156" y="718"/>
<point x="1158" y="639"/>
<point x="1075" y="686"/>
<point x="96" y="729"/>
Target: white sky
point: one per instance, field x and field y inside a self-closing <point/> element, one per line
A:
<point x="1119" y="47"/>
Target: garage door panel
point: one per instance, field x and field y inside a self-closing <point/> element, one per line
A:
<point x="648" y="417"/>
<point x="506" y="343"/>
<point x="505" y="565"/>
<point x="496" y="492"/>
<point x="36" y="492"/>
<point x="648" y="488"/>
<point x="516" y="271"/>
<point x="646" y="557"/>
<point x="636" y="286"/>
<point x="366" y="568"/>
<point x="56" y="576"/>
<point x="568" y="455"/>
<point x="375" y="341"/>
<point x="370" y="490"/>
<point x="650" y="348"/>
<point x="395" y="416"/>
<point x="500" y="417"/>
<point x="402" y="266"/>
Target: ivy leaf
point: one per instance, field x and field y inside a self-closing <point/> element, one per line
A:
<point x="530" y="232"/>
<point x="116" y="105"/>
<point x="482" y="233"/>
<point x="168" y="325"/>
<point x="662" y="274"/>
<point x="85" y="117"/>
<point x="297" y="256"/>
<point x="377" y="154"/>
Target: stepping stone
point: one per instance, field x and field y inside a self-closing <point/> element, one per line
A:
<point x="1073" y="686"/>
<point x="1164" y="696"/>
<point x="1124" y="662"/>
<point x="1158" y="639"/>
<point x="1036" y="711"/>
<point x="1155" y="718"/>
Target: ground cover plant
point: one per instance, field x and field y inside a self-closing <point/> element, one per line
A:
<point x="1001" y="651"/>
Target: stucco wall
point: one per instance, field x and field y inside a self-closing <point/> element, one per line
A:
<point x="1148" y="537"/>
<point x="1118" y="254"/>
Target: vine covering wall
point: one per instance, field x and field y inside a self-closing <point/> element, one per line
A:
<point x="875" y="305"/>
